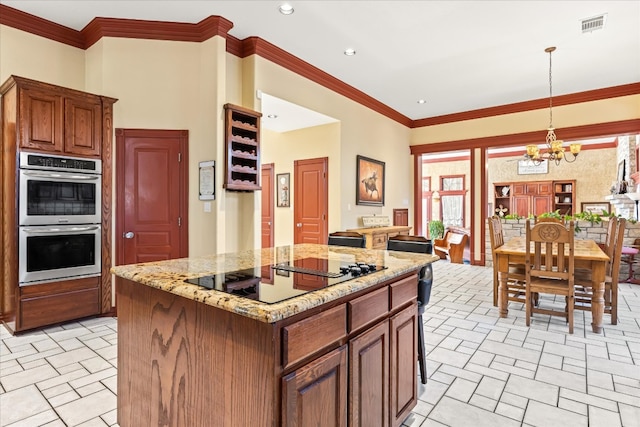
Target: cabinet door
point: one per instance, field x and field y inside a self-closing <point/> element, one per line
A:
<point x="541" y="204"/>
<point x="545" y="188"/>
<point x="83" y="126"/>
<point x="404" y="355"/>
<point x="316" y="394"/>
<point x="519" y="188"/>
<point x="40" y="121"/>
<point x="369" y="377"/>
<point x="521" y="205"/>
<point x="401" y="217"/>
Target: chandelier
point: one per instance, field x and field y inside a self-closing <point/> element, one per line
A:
<point x="554" y="149"/>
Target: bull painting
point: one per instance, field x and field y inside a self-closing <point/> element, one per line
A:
<point x="370" y="182"/>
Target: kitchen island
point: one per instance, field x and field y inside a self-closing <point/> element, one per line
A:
<point x="269" y="346"/>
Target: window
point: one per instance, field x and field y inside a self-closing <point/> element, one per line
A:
<point x="452" y="196"/>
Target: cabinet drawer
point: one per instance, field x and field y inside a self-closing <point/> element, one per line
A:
<point x="379" y="241"/>
<point x="47" y="310"/>
<point x="368" y="308"/>
<point x="403" y="291"/>
<point x="307" y="336"/>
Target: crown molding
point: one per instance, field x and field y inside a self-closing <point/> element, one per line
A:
<point x="266" y="50"/>
<point x="536" y="104"/>
<point x="234" y="46"/>
<point x="619" y="128"/>
<point x="155" y="30"/>
<point x="216" y="25"/>
<point x="40" y="27"/>
<point x="115" y="27"/>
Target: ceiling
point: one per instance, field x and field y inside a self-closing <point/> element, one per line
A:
<point x="456" y="55"/>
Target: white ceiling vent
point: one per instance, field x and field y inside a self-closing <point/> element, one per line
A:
<point x="593" y="24"/>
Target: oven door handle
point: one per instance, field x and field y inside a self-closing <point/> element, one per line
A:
<point x="61" y="176"/>
<point x="51" y="230"/>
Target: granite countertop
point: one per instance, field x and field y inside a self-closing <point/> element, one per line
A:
<point x="169" y="276"/>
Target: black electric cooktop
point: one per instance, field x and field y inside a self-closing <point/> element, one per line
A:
<point x="274" y="283"/>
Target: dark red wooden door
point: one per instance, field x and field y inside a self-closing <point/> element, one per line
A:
<point x="310" y="205"/>
<point x="151" y="222"/>
<point x="267" y="205"/>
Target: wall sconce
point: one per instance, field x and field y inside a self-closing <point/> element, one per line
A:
<point x="435" y="196"/>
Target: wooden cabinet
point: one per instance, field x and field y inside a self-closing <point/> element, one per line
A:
<point x="316" y="394"/>
<point x="82" y="126"/>
<point x="49" y="303"/>
<point x="564" y="197"/>
<point x="242" y="154"/>
<point x="403" y="351"/>
<point x="377" y="237"/>
<point x="58" y="120"/>
<point x="502" y="205"/>
<point x="41" y="119"/>
<point x="369" y="376"/>
<point x="349" y="362"/>
<point x="401" y="217"/>
<point x="532" y="197"/>
<point x="45" y="118"/>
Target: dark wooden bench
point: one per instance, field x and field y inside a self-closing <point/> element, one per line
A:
<point x="452" y="246"/>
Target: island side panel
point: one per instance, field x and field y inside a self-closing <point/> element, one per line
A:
<point x="183" y="363"/>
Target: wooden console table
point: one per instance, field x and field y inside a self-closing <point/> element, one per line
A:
<point x="377" y="237"/>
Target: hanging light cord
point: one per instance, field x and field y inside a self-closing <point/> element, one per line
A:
<point x="550" y="94"/>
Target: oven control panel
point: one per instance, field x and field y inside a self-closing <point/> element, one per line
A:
<point x="61" y="163"/>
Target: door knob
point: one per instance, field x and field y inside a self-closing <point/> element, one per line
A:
<point x="299" y="225"/>
<point x="128" y="235"/>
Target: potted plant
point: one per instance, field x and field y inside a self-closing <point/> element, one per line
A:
<point x="436" y="229"/>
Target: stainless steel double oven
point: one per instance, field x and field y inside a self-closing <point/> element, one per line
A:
<point x="59" y="213"/>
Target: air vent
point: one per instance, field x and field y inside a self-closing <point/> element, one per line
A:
<point x="593" y="24"/>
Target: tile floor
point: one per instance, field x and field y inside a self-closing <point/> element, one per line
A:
<point x="483" y="370"/>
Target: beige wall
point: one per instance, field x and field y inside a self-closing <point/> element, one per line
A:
<point x="182" y="85"/>
<point x="181" y="93"/>
<point x="594" y="172"/>
<point x="26" y="55"/>
<point x="282" y="149"/>
<point x="362" y="132"/>
<point x="607" y="110"/>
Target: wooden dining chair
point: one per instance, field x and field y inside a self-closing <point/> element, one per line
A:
<point x="347" y="238"/>
<point x="538" y="219"/>
<point x="516" y="276"/>
<point x="418" y="244"/>
<point x="550" y="267"/>
<point x="584" y="287"/>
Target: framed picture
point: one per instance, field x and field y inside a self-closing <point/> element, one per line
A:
<point x="369" y="182"/>
<point x="527" y="167"/>
<point x="595" y="207"/>
<point x="207" y="180"/>
<point x="284" y="190"/>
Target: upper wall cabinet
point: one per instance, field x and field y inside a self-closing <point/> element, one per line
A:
<point x="57" y="120"/>
<point x="242" y="154"/>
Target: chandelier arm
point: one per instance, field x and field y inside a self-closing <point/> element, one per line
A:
<point x="566" y="157"/>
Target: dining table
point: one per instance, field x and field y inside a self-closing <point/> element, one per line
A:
<point x="587" y="255"/>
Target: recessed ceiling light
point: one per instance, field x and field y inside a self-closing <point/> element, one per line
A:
<point x="286" y="9"/>
<point x="349" y="52"/>
<point x="272" y="116"/>
<point x="422" y="101"/>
